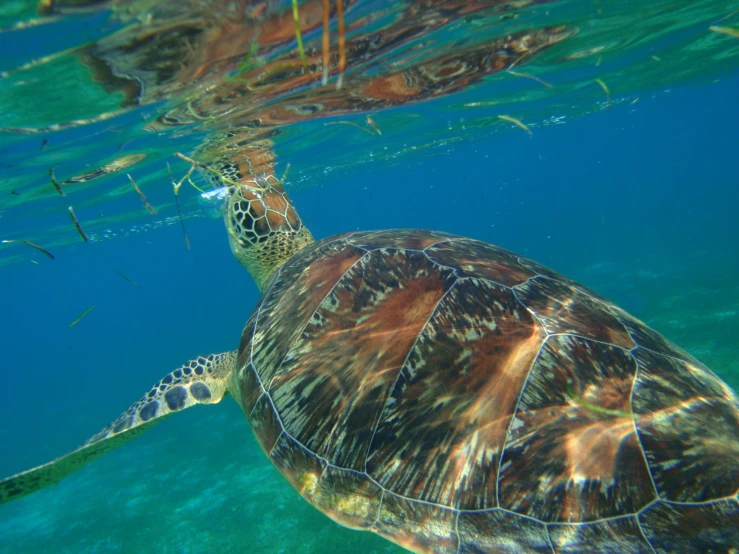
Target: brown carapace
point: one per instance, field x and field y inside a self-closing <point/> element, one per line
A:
<point x="455" y="397"/>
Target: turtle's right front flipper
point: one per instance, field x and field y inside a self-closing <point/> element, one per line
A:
<point x="203" y="380"/>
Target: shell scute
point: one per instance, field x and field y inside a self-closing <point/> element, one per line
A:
<point x="565" y="461"/>
<point x="480" y="260"/>
<point x="544" y="271"/>
<point x="410" y="239"/>
<point x="665" y="382"/>
<point x="692" y="529"/>
<point x="349" y="498"/>
<point x="564" y="308"/>
<point x="600" y="537"/>
<point x="251" y="387"/>
<point x="303" y="469"/>
<point x="501" y="532"/>
<point x="440" y="435"/>
<point x="417" y="526"/>
<point x="245" y="345"/>
<point x="292" y="297"/>
<point x="369" y="320"/>
<point x="265" y="424"/>
<point x="649" y="338"/>
<point x="688" y="422"/>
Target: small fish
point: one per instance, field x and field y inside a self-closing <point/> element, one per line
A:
<point x="478" y="104"/>
<point x="134" y="283"/>
<point x="77" y="224"/>
<point x="58" y="126"/>
<point x="34" y="262"/>
<point x="55" y="182"/>
<point x="284" y="175"/>
<point x="79" y="318"/>
<point x="176" y="189"/>
<point x="725" y="31"/>
<point x="374" y="125"/>
<point x="368" y="131"/>
<point x="116" y="165"/>
<point x="122" y="146"/>
<point x="527" y="76"/>
<point x="15" y="192"/>
<point x="583" y="53"/>
<point x="516" y="122"/>
<point x="141" y="195"/>
<point x="605" y="89"/>
<point x="29" y="243"/>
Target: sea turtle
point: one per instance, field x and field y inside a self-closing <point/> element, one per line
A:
<point x="453" y="396"/>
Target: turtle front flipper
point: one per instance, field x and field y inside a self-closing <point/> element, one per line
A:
<point x="204" y="380"/>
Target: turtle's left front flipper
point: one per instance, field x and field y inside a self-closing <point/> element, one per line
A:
<point x="203" y="380"/>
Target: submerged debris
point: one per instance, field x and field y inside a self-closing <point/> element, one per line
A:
<point x="593" y="407"/>
<point x="342" y="43"/>
<point x="357" y="125"/>
<point x="32" y="245"/>
<point x="284" y="175"/>
<point x="116" y="165"/>
<point x="134" y="283"/>
<point x="79" y="318"/>
<point x="605" y="89"/>
<point x="725" y="30"/>
<point x="299" y="36"/>
<point x="77" y="223"/>
<point x="373" y="125"/>
<point x="141" y="195"/>
<point x="516" y="122"/>
<point x="325" y="44"/>
<point x="527" y="76"/>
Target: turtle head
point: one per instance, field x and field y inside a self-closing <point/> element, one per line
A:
<point x="264" y="229"/>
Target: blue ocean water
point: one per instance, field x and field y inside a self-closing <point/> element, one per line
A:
<point x="638" y="202"/>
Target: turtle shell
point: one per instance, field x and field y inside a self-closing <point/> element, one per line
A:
<point x="453" y="396"/>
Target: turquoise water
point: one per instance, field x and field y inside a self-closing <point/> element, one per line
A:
<point x="638" y="202"/>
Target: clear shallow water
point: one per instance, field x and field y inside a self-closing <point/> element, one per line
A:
<point x="52" y="76"/>
<point x="638" y="202"/>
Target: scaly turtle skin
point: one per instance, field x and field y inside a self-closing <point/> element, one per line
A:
<point x="455" y="397"/>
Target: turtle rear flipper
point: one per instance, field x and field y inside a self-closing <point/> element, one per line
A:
<point x="203" y="380"/>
